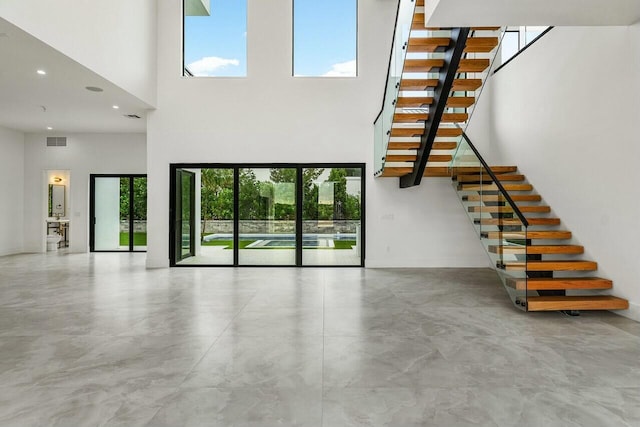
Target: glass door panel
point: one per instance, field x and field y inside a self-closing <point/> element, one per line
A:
<point x="139" y="200"/>
<point x="184" y="227"/>
<point x="110" y="211"/>
<point x="214" y="215"/>
<point x="331" y="216"/>
<point x="267" y="216"/>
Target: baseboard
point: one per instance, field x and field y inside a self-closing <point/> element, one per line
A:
<point x="632" y="313"/>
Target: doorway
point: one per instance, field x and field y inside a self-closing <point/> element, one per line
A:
<point x="118" y="213"/>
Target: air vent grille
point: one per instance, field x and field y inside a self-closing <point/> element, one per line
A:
<point x="56" y="141"/>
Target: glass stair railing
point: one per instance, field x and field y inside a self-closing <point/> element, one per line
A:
<point x="498" y="221"/>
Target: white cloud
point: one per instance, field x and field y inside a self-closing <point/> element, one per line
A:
<point x="342" y="69"/>
<point x="209" y="65"/>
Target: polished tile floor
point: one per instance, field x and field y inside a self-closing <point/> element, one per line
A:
<point x="97" y="340"/>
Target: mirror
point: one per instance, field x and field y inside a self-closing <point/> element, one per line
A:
<point x="56" y="200"/>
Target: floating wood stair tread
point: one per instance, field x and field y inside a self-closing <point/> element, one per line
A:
<point x="394" y="172"/>
<point x="466" y="84"/>
<point x="530" y="235"/>
<point x="438" y="145"/>
<point x="473" y="65"/>
<point x="487" y="178"/>
<point x="428" y="44"/>
<point x="436" y="171"/>
<point x="500" y="198"/>
<point x="493" y="187"/>
<point x="418" y="131"/>
<point x="424" y="84"/>
<point x="509" y="209"/>
<point x="414" y="101"/>
<point x="536" y="249"/>
<point x="418" y="21"/>
<point x="516" y="221"/>
<point x="465" y="170"/>
<point x="439" y="158"/>
<point x="481" y="44"/>
<point x="422" y="65"/>
<point x="586" y="302"/>
<point x="559" y="283"/>
<point x="553" y="265"/>
<point x="460" y="101"/>
<point x="421" y="117"/>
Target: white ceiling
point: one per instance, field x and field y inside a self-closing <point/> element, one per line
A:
<point x="461" y="13"/>
<point x="69" y="106"/>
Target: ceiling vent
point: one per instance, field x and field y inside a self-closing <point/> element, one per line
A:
<point x="56" y="141"/>
<point x="132" y="116"/>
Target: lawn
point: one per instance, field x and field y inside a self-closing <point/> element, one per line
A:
<point x="339" y="244"/>
<point x="139" y="239"/>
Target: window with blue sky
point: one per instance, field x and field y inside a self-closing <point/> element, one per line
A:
<point x="325" y="38"/>
<point x="215" y="41"/>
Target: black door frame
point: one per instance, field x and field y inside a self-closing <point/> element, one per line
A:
<point x="92" y="210"/>
<point x="174" y="167"/>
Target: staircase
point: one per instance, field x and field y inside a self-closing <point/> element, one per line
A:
<point x="416" y="83"/>
<point x="435" y="78"/>
<point x="534" y="255"/>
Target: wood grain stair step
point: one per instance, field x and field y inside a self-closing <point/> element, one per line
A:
<point x="437" y="145"/>
<point x="516" y="221"/>
<point x="465" y="170"/>
<point x="413" y="101"/>
<point x="481" y="44"/>
<point x="582" y="302"/>
<point x="554" y="265"/>
<point x="473" y="65"/>
<point x="500" y="198"/>
<point x="493" y="187"/>
<point x="530" y="235"/>
<point x="424" y="84"/>
<point x="422" y="65"/>
<point x="487" y="178"/>
<point x="428" y="44"/>
<point x="509" y="209"/>
<point x="418" y="131"/>
<point x="412" y="158"/>
<point x="559" y="283"/>
<point x="536" y="249"/>
<point x="460" y="101"/>
<point x="421" y="117"/>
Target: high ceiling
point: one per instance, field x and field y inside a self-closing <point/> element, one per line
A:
<point x="30" y="102"/>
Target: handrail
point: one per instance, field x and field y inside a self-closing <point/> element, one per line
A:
<point x="501" y="189"/>
<point x="386" y="82"/>
<point x="501" y="66"/>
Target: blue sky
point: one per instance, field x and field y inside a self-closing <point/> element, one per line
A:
<point x="324" y="33"/>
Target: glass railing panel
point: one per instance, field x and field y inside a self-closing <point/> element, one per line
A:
<point x="498" y="222"/>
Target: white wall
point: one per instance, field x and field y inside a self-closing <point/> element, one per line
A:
<point x="11" y="191"/>
<point x="566" y="112"/>
<point x="84" y="154"/>
<point x="114" y="38"/>
<point x="272" y="117"/>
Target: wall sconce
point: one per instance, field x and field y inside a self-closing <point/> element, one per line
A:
<point x="57" y="179"/>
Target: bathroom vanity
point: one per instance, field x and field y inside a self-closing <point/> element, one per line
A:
<point x="60" y="227"/>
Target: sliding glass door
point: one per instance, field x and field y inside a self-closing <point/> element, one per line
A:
<point x="118" y="205"/>
<point x="257" y="214"/>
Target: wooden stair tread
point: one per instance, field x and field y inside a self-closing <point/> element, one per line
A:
<point x="412" y="158"/>
<point x="536" y="249"/>
<point x="576" y="302"/>
<point x="516" y="221"/>
<point x="414" y="101"/>
<point x="500" y="198"/>
<point x="530" y="235"/>
<point x="493" y="187"/>
<point x="460" y="101"/>
<point x="509" y="209"/>
<point x="438" y="145"/>
<point x="427" y="44"/>
<point x="481" y="44"/>
<point x="559" y="283"/>
<point x="464" y="170"/>
<point x="422" y="65"/>
<point x="487" y="178"/>
<point x="551" y="265"/>
<point x="473" y="65"/>
<point x="421" y="117"/>
<point x="424" y="84"/>
<point x="418" y="131"/>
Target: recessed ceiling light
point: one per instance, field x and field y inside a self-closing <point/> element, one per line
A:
<point x="42" y="72"/>
<point x="115" y="107"/>
<point x="49" y="128"/>
<point x="94" y="88"/>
